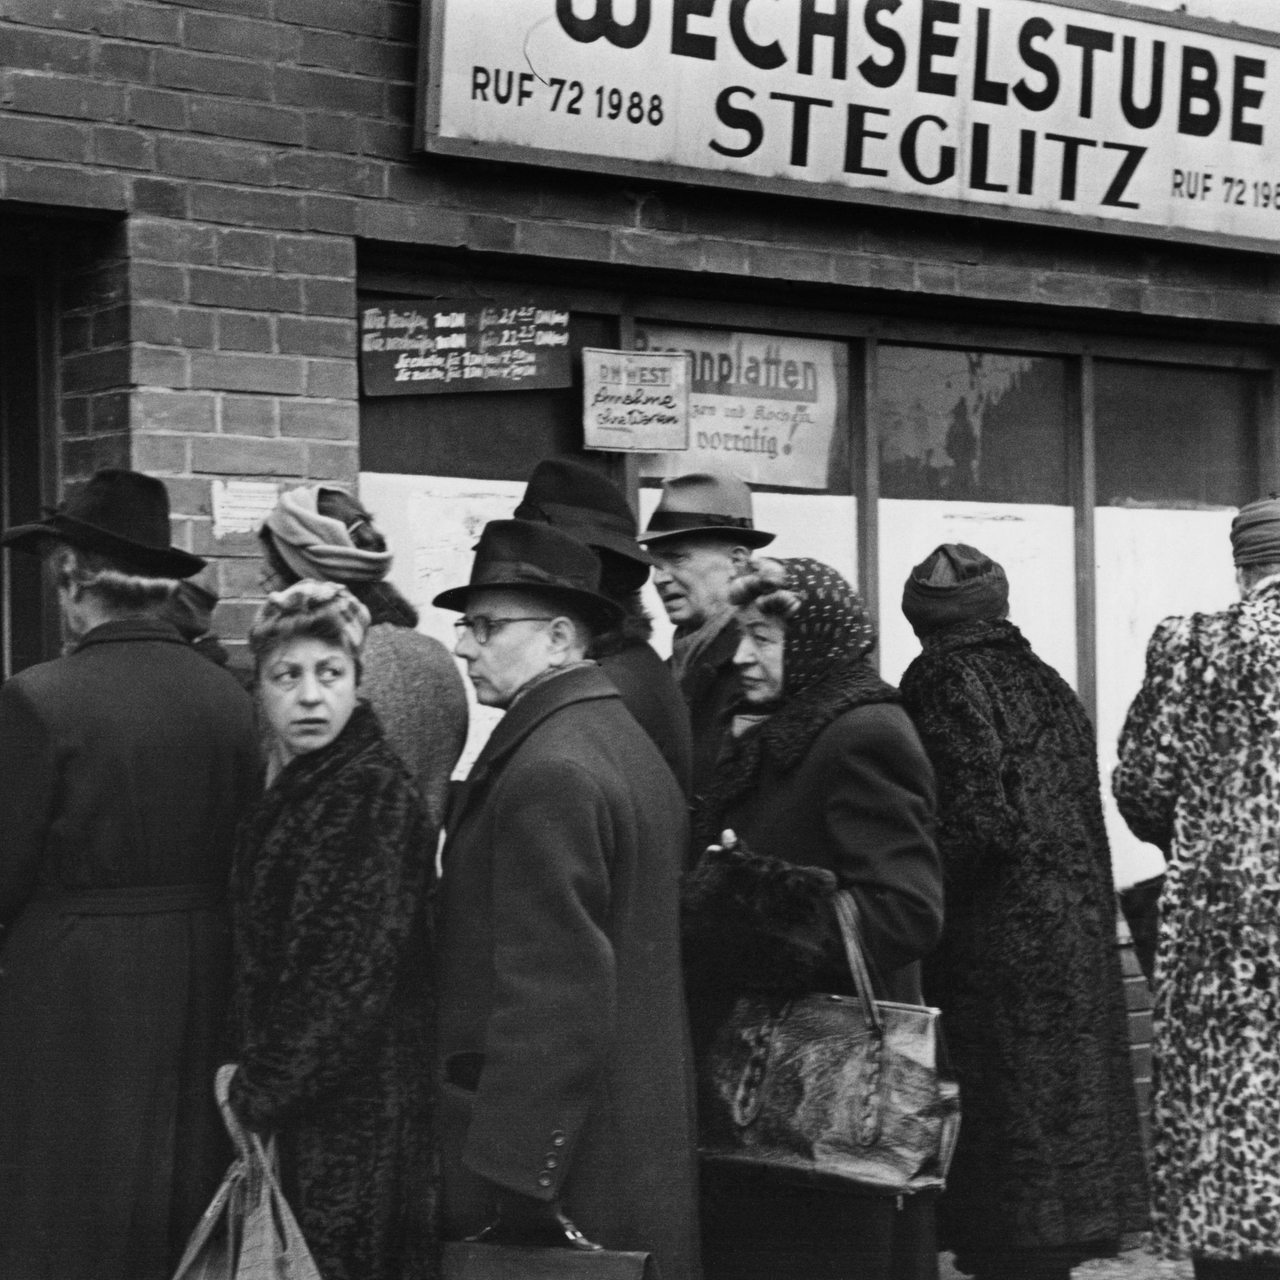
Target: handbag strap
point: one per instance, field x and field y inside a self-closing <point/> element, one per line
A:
<point x="847" y="914"/>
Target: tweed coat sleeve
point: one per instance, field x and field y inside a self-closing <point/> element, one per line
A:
<point x="555" y="992"/>
<point x="344" y="938"/>
<point x="27" y="784"/>
<point x="1146" y="779"/>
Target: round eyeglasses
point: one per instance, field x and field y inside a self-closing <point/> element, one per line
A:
<point x="482" y="626"/>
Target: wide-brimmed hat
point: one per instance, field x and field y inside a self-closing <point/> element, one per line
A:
<point x="524" y="555"/>
<point x="589" y="506"/>
<point x="116" y="513"/>
<point x="712" y="502"/>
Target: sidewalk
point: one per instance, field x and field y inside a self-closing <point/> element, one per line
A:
<point x="1136" y="1264"/>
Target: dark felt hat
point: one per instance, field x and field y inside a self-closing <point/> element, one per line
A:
<point x="710" y="502"/>
<point x="589" y="506"/>
<point x="120" y="514"/>
<point x="525" y="555"/>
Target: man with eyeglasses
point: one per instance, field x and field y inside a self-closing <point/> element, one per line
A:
<point x="566" y="1095"/>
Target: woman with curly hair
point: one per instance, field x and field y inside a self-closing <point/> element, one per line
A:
<point x="825" y="787"/>
<point x="332" y="998"/>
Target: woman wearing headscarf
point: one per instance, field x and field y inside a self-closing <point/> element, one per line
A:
<point x="410" y="680"/>
<point x="333" y="990"/>
<point x="823" y="787"/>
<point x="1049" y="1168"/>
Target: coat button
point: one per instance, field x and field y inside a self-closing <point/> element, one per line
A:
<point x="544" y="1180"/>
<point x="557" y="1138"/>
<point x="551" y="1162"/>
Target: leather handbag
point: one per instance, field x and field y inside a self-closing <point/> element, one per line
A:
<point x="248" y="1231"/>
<point x="468" y="1261"/>
<point x="846" y="1090"/>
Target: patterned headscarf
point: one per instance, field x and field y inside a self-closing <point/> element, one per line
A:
<point x="316" y="546"/>
<point x="825" y="672"/>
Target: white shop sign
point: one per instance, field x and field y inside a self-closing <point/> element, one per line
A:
<point x="1091" y="112"/>
<point x="634" y="401"/>
<point x="763" y="406"/>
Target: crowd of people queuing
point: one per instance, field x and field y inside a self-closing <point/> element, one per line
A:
<point x="495" y="1036"/>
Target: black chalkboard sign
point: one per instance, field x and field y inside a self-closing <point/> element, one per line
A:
<point x="421" y="347"/>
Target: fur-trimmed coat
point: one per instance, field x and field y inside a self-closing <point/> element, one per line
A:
<point x="333" y="1000"/>
<point x="855" y="812"/>
<point x="1199" y="775"/>
<point x="1027" y="974"/>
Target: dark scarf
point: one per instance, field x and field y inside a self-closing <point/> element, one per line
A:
<point x="385" y="603"/>
<point x="826" y="672"/>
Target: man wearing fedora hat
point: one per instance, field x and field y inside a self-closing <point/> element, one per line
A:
<point x="701" y="536"/>
<point x="124" y="767"/>
<point x="566" y="1094"/>
<point x="590" y="507"/>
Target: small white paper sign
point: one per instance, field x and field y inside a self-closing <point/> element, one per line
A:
<point x="240" y="506"/>
<point x="635" y="400"/>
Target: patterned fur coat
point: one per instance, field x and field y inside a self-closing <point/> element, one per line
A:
<point x="1027" y="974"/>
<point x="333" y="1001"/>
<point x="1199" y="775"/>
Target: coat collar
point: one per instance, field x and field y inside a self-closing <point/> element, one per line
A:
<point x="584" y="684"/>
<point x="973" y="634"/>
<point x="125" y="629"/>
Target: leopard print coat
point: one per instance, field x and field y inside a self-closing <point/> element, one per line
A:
<point x="1199" y="776"/>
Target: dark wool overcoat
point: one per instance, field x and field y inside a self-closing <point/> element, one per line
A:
<point x="124" y="768"/>
<point x="333" y="997"/>
<point x="856" y="812"/>
<point x="650" y="693"/>
<point x="1028" y="974"/>
<point x="563" y="1037"/>
<point x="711" y="690"/>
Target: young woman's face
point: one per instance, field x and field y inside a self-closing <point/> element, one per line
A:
<point x="307" y="689"/>
<point x="758" y="659"/>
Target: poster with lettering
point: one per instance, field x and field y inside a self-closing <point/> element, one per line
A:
<point x="423" y="347"/>
<point x="763" y="406"/>
<point x="1081" y="112"/>
<point x="635" y="401"/>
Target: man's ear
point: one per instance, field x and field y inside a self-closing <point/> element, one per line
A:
<point x="564" y="635"/>
<point x="741" y="557"/>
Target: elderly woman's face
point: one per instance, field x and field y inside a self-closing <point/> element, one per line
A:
<point x="307" y="688"/>
<point x="758" y="659"/>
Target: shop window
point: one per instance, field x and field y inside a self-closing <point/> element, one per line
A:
<point x="1176" y="450"/>
<point x="971" y="425"/>
<point x="974" y="449"/>
<point x="1172" y="436"/>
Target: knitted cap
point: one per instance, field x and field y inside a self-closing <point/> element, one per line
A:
<point x="954" y="583"/>
<point x="1255" y="533"/>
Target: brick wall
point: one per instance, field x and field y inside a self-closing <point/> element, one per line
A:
<point x="245" y="147"/>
